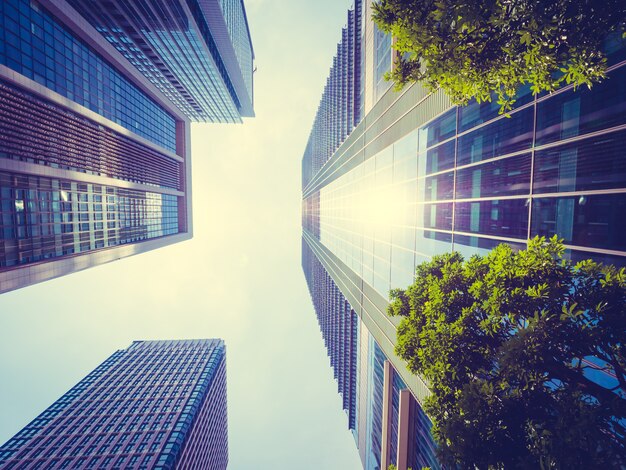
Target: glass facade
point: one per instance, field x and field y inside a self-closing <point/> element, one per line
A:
<point x="375" y="409"/>
<point x="36" y="45"/>
<point x="339" y="109"/>
<point x="422" y="450"/>
<point x="382" y="62"/>
<point x="237" y="23"/>
<point x="339" y="326"/>
<point x="43" y="218"/>
<point x="358" y="365"/>
<point x="423" y="177"/>
<point x="92" y="158"/>
<point x="38" y="131"/>
<point x="156" y="404"/>
<point x="201" y="86"/>
<point x="507" y="179"/>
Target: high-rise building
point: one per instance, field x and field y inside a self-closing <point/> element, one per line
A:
<point x="155" y="404"/>
<point x="417" y="177"/>
<point x="96" y="100"/>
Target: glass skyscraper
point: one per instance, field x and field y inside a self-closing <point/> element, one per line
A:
<point x="155" y="404"/>
<point x="96" y="100"/>
<point x="418" y="176"/>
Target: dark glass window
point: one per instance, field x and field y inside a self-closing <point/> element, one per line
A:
<point x="438" y="216"/>
<point x="596" y="221"/>
<point x="422" y="448"/>
<point x="501" y="137"/>
<point x="439" y="187"/>
<point x="438" y="130"/>
<point x="41" y="49"/>
<point x="440" y="158"/>
<point x="476" y="113"/>
<point x="483" y="243"/>
<point x="579" y="255"/>
<point x="504" y="218"/>
<point x="615" y="48"/>
<point x="377" y="362"/>
<point x="594" y="163"/>
<point x="506" y="177"/>
<point x="397" y="385"/>
<point x="34" y="230"/>
<point x="573" y="113"/>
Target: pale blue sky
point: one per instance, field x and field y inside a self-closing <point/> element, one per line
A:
<point x="238" y="279"/>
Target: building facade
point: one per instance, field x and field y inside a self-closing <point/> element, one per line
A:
<point x="95" y="108"/>
<point x="418" y="177"/>
<point x="155" y="404"/>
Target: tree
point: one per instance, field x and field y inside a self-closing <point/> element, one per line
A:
<point x="510" y="344"/>
<point x="473" y="48"/>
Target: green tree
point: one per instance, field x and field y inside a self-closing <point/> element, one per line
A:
<point x="473" y="48"/>
<point x="510" y="344"/>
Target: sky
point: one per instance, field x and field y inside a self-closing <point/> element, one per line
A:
<point x="238" y="279"/>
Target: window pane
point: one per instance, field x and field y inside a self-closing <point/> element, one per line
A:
<point x="504" y="136"/>
<point x="504" y="218"/>
<point x="595" y="163"/>
<point x="582" y="111"/>
<point x="594" y="221"/>
<point x="507" y="177"/>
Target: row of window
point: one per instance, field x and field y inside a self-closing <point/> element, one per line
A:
<point x="40" y="220"/>
<point x="206" y="93"/>
<point x="95" y="420"/>
<point x="44" y="133"/>
<point x="35" y="45"/>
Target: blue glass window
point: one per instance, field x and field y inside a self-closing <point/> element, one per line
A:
<point x="589" y="164"/>
<point x="595" y="221"/>
<point x="438" y="130"/>
<point x="505" y="177"/>
<point x="441" y="157"/>
<point x="437" y="216"/>
<point x="476" y="113"/>
<point x="42" y="218"/>
<point x="573" y="113"/>
<point x="40" y="48"/>
<point x="504" y="217"/>
<point x="439" y="187"/>
<point x="499" y="138"/>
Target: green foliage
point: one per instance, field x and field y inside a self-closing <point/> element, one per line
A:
<point x="503" y="341"/>
<point x="473" y="48"/>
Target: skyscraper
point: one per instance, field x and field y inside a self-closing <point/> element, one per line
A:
<point x="96" y="100"/>
<point x="418" y="176"/>
<point x="155" y="404"/>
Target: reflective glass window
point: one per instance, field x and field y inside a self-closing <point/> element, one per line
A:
<point x="595" y="221"/>
<point x="440" y="158"/>
<point x="475" y="113"/>
<point x="580" y="255"/>
<point x="504" y="217"/>
<point x="505" y="177"/>
<point x="501" y="137"/>
<point x="573" y="113"/>
<point x="40" y="48"/>
<point x="437" y="130"/>
<point x="436" y="216"/>
<point x="33" y="229"/>
<point x="422" y="450"/>
<point x="439" y="187"/>
<point x="594" y="163"/>
<point x="469" y="245"/>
